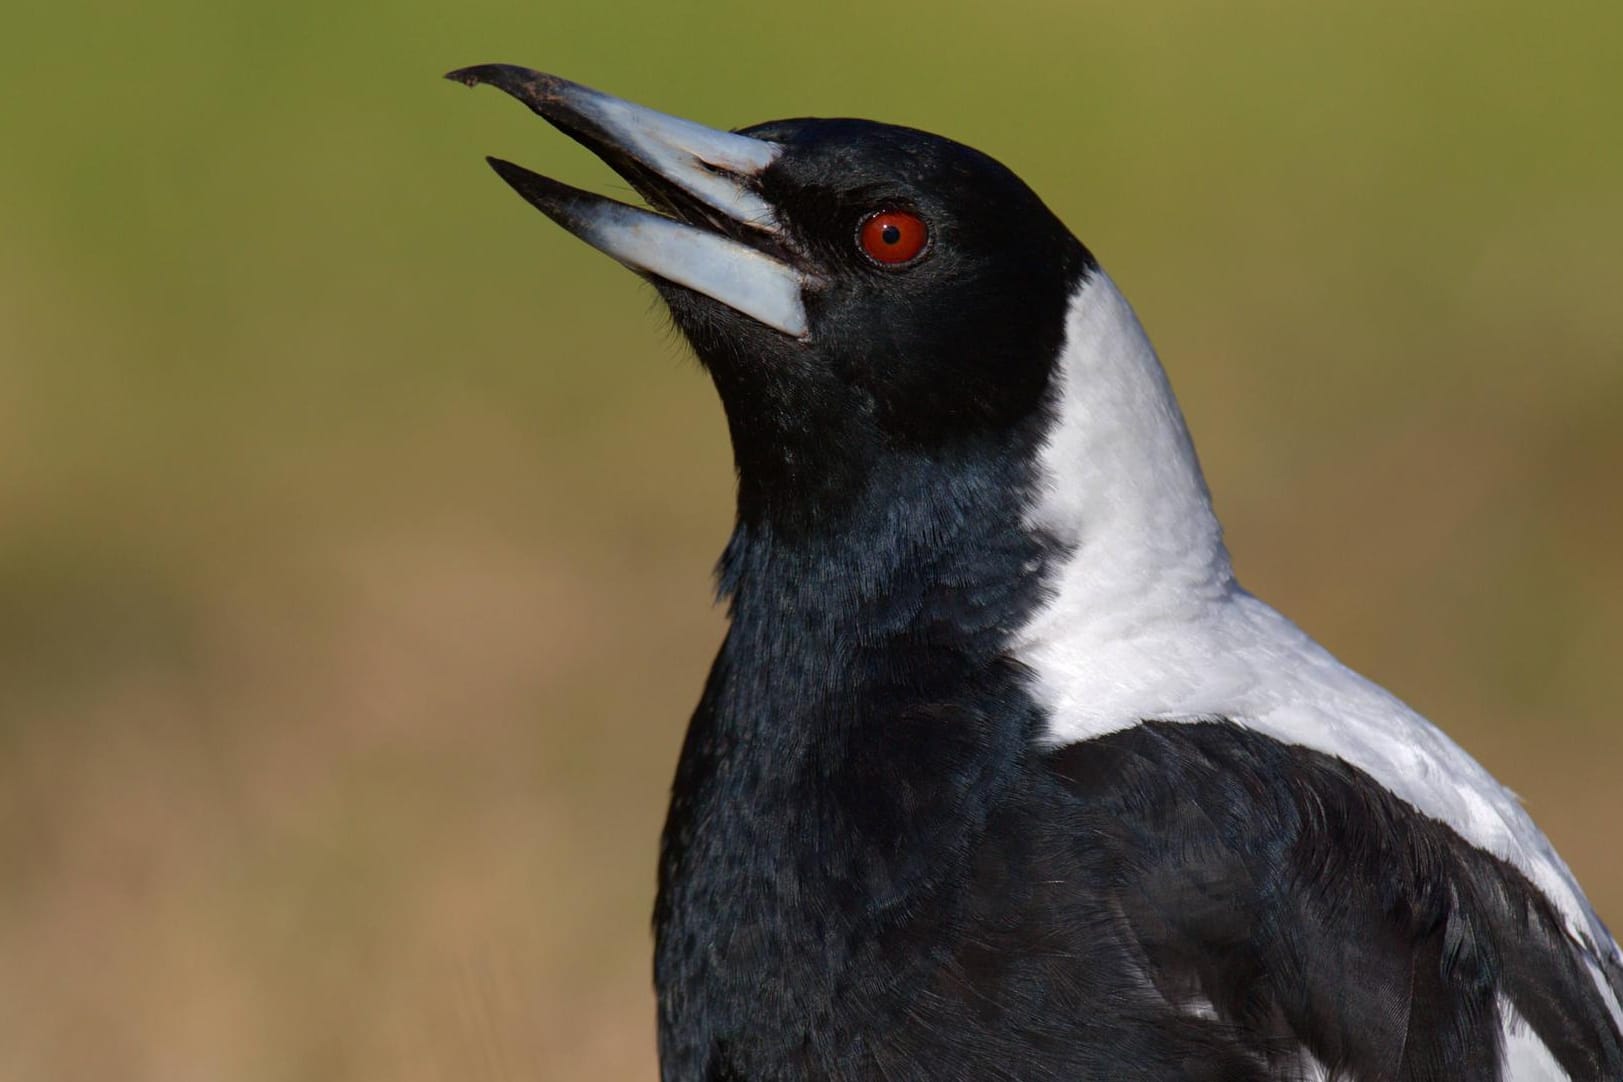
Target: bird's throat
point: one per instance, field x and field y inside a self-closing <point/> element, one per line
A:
<point x="855" y="733"/>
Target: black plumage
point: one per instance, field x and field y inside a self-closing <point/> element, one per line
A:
<point x="878" y="863"/>
<point x="873" y="870"/>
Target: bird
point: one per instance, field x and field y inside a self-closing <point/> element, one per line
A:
<point x="999" y="773"/>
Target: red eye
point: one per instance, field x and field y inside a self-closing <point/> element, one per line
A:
<point x="893" y="236"/>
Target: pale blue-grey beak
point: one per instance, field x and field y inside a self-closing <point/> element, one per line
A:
<point x="717" y="235"/>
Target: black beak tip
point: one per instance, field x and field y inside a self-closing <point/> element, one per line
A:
<point x="552" y="198"/>
<point x="516" y="175"/>
<point x="536" y="89"/>
<point x="513" y="174"/>
<point x="476" y="74"/>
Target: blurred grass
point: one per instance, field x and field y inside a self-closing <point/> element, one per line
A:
<point x="357" y="524"/>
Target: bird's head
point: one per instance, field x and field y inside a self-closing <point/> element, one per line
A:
<point x="862" y="294"/>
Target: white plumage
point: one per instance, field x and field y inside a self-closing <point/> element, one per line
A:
<point x="1148" y="622"/>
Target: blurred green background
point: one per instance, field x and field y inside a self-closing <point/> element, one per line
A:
<point x="356" y="523"/>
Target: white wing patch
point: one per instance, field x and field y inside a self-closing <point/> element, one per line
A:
<point x="1147" y="622"/>
<point x="1526" y="1058"/>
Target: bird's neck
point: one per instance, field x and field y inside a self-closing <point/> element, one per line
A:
<point x="923" y="575"/>
<point x="1120" y="487"/>
<point x="941" y="569"/>
<point x="864" y="689"/>
<point x="857" y="730"/>
<point x="1125" y="632"/>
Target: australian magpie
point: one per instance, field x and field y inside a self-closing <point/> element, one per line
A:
<point x="998" y="773"/>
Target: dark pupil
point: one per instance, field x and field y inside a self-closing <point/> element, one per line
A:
<point x="890" y="234"/>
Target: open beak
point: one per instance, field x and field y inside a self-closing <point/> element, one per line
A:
<point x="710" y="231"/>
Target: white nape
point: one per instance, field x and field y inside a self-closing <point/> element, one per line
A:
<point x="1146" y="621"/>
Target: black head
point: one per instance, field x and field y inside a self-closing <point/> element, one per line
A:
<point x="930" y="282"/>
<point x="954" y="342"/>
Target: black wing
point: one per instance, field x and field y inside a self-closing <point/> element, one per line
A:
<point x="1292" y="898"/>
<point x="939" y="899"/>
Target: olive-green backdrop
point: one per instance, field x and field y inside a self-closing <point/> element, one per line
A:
<point x="356" y="523"/>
